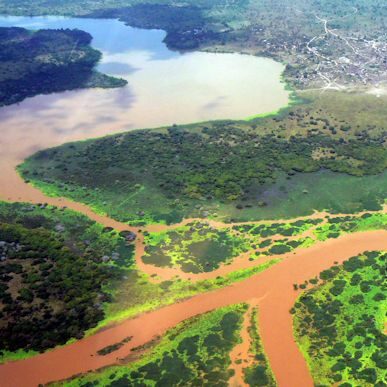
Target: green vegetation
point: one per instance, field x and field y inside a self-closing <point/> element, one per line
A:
<point x="103" y="261"/>
<point x="280" y="166"/>
<point x="265" y="237"/>
<point x="47" y="252"/>
<point x="47" y="61"/>
<point x="339" y="225"/>
<point x="285" y="229"/>
<point x="255" y="27"/>
<point x="194" y="248"/>
<point x="189" y="24"/>
<point x="76" y="231"/>
<point x="63" y="276"/>
<point x="259" y="373"/>
<point x="114" y="347"/>
<point x="195" y="352"/>
<point x="137" y="294"/>
<point x="39" y="277"/>
<point x="185" y="25"/>
<point x="340" y="324"/>
<point x="54" y="268"/>
<point x="199" y="247"/>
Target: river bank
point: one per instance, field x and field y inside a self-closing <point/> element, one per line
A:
<point x="276" y="284"/>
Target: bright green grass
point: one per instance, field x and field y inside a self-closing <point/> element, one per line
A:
<point x="136" y="294"/>
<point x="194" y="248"/>
<point x="133" y="293"/>
<point x="151" y="178"/>
<point x="260" y="236"/>
<point x="195" y="352"/>
<point x="338" y="226"/>
<point x="300" y="196"/>
<point x="6" y="356"/>
<point x="285" y="229"/>
<point x="259" y="373"/>
<point x="339" y="324"/>
<point x="305" y="193"/>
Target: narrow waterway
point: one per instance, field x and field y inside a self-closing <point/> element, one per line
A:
<point x="274" y="286"/>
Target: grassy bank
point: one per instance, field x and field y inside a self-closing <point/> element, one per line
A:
<point x="194" y="352"/>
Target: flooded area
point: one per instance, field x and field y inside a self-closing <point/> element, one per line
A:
<point x="164" y="87"/>
<point x="275" y="321"/>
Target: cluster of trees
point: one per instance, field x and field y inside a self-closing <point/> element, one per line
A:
<point x="198" y="249"/>
<point x="339" y="337"/>
<point x="200" y="358"/>
<point x="266" y="230"/>
<point x="259" y="372"/>
<point x="47" y="61"/>
<point x="48" y="293"/>
<point x="238" y="24"/>
<point x="188" y="25"/>
<point x="222" y="163"/>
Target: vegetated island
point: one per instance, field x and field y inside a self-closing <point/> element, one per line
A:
<point x="47" y="61"/>
<point x="306" y="158"/>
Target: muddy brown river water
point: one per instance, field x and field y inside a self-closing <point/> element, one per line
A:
<point x="273" y="288"/>
<point x="164" y="88"/>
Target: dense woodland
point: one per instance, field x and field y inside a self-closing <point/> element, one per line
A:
<point x="47" y="61"/>
<point x="54" y="266"/>
<point x="223" y="162"/>
<point x="340" y="323"/>
<point x="186" y="26"/>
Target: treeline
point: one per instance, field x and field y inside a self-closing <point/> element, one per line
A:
<point x="187" y="26"/>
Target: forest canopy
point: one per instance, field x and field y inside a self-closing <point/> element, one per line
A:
<point x="47" y="61"/>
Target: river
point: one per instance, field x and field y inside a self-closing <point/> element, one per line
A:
<point x="272" y="290"/>
<point x="164" y="87"/>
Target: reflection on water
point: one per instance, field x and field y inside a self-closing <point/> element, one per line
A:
<point x="164" y="87"/>
<point x="109" y="35"/>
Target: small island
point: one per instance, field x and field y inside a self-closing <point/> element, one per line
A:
<point x="47" y="61"/>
